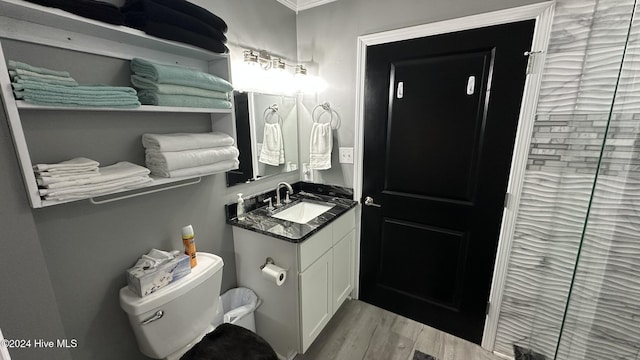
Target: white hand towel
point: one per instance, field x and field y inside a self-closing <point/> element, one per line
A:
<point x="321" y="146"/>
<point x="113" y="172"/>
<point x="272" y="152"/>
<point x="185" y="141"/>
<point x="77" y="164"/>
<point x="174" y="160"/>
<point x="221" y="166"/>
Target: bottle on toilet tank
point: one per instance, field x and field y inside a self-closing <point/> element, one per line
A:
<point x="189" y="241"/>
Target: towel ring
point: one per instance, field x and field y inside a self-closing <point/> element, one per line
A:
<point x="327" y="108"/>
<point x="274" y="109"/>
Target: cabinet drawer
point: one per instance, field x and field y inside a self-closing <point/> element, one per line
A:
<point x="343" y="224"/>
<point x="312" y="248"/>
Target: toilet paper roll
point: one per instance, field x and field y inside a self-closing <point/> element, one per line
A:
<point x="274" y="273"/>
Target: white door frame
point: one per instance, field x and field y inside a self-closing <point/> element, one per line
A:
<point x="543" y="13"/>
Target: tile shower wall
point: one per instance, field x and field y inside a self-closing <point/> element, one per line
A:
<point x="582" y="75"/>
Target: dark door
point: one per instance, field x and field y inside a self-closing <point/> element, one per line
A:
<point x="440" y="119"/>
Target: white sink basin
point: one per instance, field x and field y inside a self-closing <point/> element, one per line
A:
<point x="303" y="212"/>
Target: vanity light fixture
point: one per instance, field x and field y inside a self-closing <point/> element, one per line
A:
<point x="264" y="70"/>
<point x="268" y="61"/>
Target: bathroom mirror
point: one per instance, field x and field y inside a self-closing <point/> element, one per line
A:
<point x="267" y="133"/>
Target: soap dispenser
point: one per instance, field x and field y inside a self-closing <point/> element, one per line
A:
<point x="240" y="208"/>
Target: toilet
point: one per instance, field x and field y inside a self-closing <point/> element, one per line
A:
<point x="169" y="322"/>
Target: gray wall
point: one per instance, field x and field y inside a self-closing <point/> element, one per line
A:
<point x="327" y="35"/>
<point x="62" y="266"/>
<point x="28" y="308"/>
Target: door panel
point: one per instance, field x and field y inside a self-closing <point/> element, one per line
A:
<point x="434" y="251"/>
<point x="440" y="119"/>
<point x="316" y="298"/>
<point x="343" y="269"/>
<point x="418" y="113"/>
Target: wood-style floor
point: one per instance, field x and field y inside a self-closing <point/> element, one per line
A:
<point x="362" y="331"/>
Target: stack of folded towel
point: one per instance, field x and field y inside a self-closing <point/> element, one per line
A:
<point x="92" y="9"/>
<point x="83" y="178"/>
<point x="172" y="85"/>
<point x="44" y="86"/>
<point x="177" y="20"/>
<point x="182" y="154"/>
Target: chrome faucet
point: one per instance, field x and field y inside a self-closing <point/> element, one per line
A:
<point x="289" y="191"/>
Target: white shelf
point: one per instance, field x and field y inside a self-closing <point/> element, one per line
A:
<point x="157" y="184"/>
<point x="39" y="25"/>
<point x="22" y="105"/>
<point x="60" y="19"/>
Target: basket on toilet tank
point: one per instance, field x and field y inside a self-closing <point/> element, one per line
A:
<point x="168" y="322"/>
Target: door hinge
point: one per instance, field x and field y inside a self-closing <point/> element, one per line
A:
<point x="486" y="311"/>
<point x="506" y="200"/>
<point x="532" y="56"/>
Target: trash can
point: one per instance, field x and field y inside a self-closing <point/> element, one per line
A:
<point x="238" y="306"/>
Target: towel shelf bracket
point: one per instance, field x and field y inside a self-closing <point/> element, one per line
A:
<point x="109" y="198"/>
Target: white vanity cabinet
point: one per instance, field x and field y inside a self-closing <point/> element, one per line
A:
<point x="94" y="52"/>
<point x="320" y="277"/>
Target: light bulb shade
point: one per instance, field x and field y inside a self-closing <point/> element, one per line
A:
<point x="301" y="70"/>
<point x="250" y="56"/>
<point x="277" y="63"/>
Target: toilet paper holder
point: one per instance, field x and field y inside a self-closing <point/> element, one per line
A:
<point x="267" y="261"/>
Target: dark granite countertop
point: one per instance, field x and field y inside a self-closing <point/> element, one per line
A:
<point x="260" y="221"/>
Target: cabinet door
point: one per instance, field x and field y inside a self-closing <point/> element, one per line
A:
<point x="315" y="298"/>
<point x="343" y="269"/>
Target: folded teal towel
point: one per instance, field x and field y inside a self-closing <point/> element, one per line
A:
<point x="14" y="65"/>
<point x="47" y="79"/>
<point x="86" y="90"/>
<point x="146" y="84"/>
<point x="66" y="100"/>
<point x="178" y="75"/>
<point x="152" y="98"/>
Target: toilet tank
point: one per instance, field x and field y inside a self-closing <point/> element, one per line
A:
<point x="188" y="307"/>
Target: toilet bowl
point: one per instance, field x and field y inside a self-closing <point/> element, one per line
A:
<point x="170" y="321"/>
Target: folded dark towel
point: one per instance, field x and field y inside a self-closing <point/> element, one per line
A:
<point x="190" y="9"/>
<point x="175" y="33"/>
<point x="138" y="12"/>
<point x="92" y="9"/>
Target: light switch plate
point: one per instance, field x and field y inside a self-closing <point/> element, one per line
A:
<point x="346" y="155"/>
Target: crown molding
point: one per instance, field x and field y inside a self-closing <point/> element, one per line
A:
<point x="291" y="4"/>
<point x="299" y="5"/>
<point x="308" y="4"/>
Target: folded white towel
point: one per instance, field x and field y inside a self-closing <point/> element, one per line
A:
<point x="185" y="141"/>
<point x="95" y="189"/>
<point x="321" y="146"/>
<point x="45" y="179"/>
<point x="221" y="166"/>
<point x="113" y="172"/>
<point x="174" y="160"/>
<point x="77" y="164"/>
<point x="272" y="152"/>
